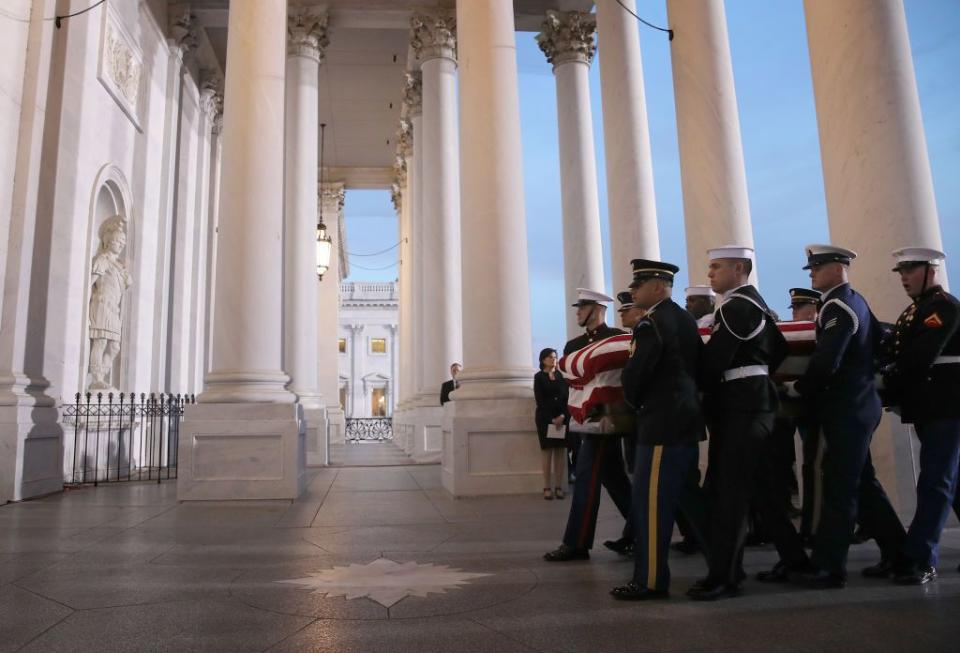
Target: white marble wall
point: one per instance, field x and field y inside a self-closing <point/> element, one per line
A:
<point x="369" y="310"/>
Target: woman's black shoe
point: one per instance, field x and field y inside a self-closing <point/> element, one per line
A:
<point x="713" y="591"/>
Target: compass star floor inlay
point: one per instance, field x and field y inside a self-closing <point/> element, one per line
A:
<point x="384" y="581"/>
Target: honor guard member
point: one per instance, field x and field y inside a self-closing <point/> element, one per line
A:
<point x="600" y="461"/>
<point x="804" y="305"/>
<point x="924" y="380"/>
<point x="700" y="303"/>
<point x="659" y="381"/>
<point x="838" y="388"/>
<point x="740" y="402"/>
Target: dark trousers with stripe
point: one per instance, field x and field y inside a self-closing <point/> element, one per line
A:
<point x="599" y="462"/>
<point x="772" y="494"/>
<point x="936" y="488"/>
<point x="812" y="476"/>
<point x="851" y="492"/>
<point x="659" y="477"/>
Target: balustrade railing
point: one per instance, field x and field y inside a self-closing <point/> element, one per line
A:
<point x="363" y="429"/>
<point x="121" y="437"/>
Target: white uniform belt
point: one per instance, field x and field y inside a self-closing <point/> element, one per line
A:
<point x="744" y="372"/>
<point x="946" y="360"/>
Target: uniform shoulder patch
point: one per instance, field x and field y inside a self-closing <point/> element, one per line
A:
<point x="933" y="321"/>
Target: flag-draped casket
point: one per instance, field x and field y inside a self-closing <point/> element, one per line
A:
<point x="593" y="373"/>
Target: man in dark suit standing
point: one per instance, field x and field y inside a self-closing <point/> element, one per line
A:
<point x="451" y="385"/>
<point x="740" y="403"/>
<point x="839" y="390"/>
<point x="924" y="381"/>
<point x="659" y="382"/>
<point x="600" y="459"/>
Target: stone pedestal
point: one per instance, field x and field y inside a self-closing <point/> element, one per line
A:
<point x="336" y="425"/>
<point x="241" y="451"/>
<point x="31" y="453"/>
<point x="484" y="456"/>
<point x="426" y="440"/>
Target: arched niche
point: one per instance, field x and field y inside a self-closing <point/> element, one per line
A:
<point x="111" y="196"/>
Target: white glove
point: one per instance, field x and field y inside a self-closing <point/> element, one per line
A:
<point x="791" y="389"/>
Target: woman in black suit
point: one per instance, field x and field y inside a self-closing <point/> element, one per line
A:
<point x="550" y="391"/>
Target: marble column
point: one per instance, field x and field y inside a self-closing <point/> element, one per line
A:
<point x="330" y="196"/>
<point x="306" y="40"/>
<point x="433" y="39"/>
<point x="489" y="442"/>
<point x="413" y="100"/>
<point x="876" y="171"/>
<point x="626" y="140"/>
<point x="404" y="199"/>
<point x="715" y="205"/>
<point x="31" y="440"/>
<point x="245" y="439"/>
<point x="566" y="39"/>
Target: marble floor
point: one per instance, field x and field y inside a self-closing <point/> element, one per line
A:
<point x="381" y="559"/>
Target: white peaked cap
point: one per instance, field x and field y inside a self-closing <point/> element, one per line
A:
<point x="730" y="251"/>
<point x="918" y="255"/>
<point x="700" y="291"/>
<point x="585" y="295"/>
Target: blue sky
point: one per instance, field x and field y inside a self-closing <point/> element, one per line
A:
<point x="781" y="149"/>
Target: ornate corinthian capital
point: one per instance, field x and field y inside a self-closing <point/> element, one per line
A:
<point x="413" y="93"/>
<point x="183" y="28"/>
<point x="307" y="35"/>
<point x="211" y="96"/>
<point x="405" y="138"/>
<point x="567" y="36"/>
<point x="434" y="35"/>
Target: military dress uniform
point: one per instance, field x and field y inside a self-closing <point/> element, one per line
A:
<point x="629" y="439"/>
<point x="839" y="390"/>
<point x="924" y="380"/>
<point x="659" y="382"/>
<point x="740" y="400"/>
<point x="599" y="462"/>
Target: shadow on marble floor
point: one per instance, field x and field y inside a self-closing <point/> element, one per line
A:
<point x="382" y="559"/>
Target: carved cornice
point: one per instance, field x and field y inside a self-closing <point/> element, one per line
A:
<point x="434" y="35"/>
<point x="567" y="36"/>
<point x="413" y="93"/>
<point x="307" y="35"/>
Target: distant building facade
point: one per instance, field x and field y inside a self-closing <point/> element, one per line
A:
<point x="368" y="346"/>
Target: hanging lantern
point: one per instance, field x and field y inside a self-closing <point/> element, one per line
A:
<point x="324" y="242"/>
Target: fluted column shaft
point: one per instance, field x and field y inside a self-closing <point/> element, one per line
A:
<point x="247" y="363"/>
<point x="306" y="40"/>
<point x="626" y="137"/>
<point x="876" y="171"/>
<point x="715" y="205"/>
<point x="496" y="320"/>
<point x="433" y="41"/>
<point x="413" y="100"/>
<point x="567" y="41"/>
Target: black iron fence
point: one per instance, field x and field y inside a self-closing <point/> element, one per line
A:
<point x="362" y="429"/>
<point x="122" y="437"/>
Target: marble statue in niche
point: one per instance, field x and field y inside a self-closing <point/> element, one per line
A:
<point x="109" y="281"/>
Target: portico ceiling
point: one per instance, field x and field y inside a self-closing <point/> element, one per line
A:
<point x="361" y="82"/>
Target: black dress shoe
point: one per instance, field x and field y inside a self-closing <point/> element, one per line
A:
<point x="686" y="546"/>
<point x="713" y="591"/>
<point x="820" y="579"/>
<point x="781" y="571"/>
<point x="919" y="575"/>
<point x="563" y="553"/>
<point x="635" y="592"/>
<point x="623" y="546"/>
<point x="883" y="569"/>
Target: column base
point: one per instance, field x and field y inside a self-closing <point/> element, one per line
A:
<point x="490" y="447"/>
<point x="241" y="451"/>
<point x="31" y="452"/>
<point x="400" y="420"/>
<point x="316" y="435"/>
<point x="246" y="388"/>
<point x="426" y="434"/>
<point x="337" y="425"/>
